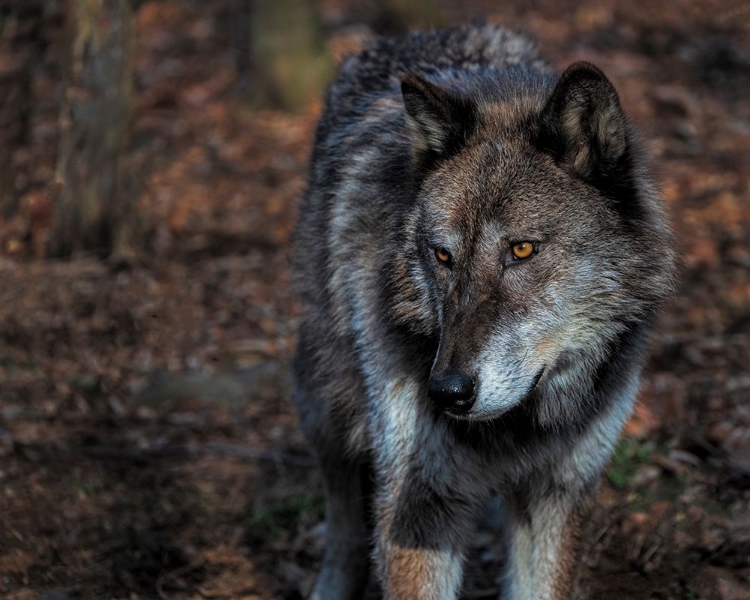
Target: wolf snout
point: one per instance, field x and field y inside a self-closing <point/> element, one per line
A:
<point x="453" y="391"/>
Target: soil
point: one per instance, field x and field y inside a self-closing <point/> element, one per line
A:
<point x="148" y="444"/>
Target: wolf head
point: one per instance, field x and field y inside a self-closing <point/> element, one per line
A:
<point x="536" y="240"/>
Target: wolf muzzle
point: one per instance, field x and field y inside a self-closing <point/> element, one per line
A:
<point x="453" y="391"/>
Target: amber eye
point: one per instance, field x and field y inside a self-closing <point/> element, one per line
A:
<point x="522" y="250"/>
<point x="443" y="256"/>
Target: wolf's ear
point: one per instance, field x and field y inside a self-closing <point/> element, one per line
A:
<point x="583" y="123"/>
<point x="439" y="121"/>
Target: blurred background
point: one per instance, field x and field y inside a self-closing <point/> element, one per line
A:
<point x="151" y="157"/>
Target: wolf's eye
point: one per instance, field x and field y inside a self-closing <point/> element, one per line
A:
<point x="443" y="256"/>
<point x="522" y="250"/>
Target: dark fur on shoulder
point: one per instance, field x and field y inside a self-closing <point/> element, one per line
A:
<point x="480" y="256"/>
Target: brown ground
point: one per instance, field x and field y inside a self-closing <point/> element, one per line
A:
<point x="148" y="447"/>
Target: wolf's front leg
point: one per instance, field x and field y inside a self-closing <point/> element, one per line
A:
<point x="545" y="545"/>
<point x="343" y="574"/>
<point x="420" y="539"/>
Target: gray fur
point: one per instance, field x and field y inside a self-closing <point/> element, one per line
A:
<point x="466" y="139"/>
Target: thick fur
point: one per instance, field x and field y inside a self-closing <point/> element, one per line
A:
<point x="467" y="140"/>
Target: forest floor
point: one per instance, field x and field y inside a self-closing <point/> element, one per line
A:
<point x="148" y="445"/>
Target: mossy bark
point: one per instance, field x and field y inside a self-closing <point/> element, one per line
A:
<point x="95" y="125"/>
<point x="290" y="65"/>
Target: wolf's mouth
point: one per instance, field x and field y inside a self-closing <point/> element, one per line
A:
<point x="469" y="416"/>
<point x="536" y="380"/>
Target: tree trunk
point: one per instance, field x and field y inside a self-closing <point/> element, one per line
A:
<point x="95" y="123"/>
<point x="289" y="63"/>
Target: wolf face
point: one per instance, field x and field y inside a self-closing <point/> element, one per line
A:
<point x="527" y="248"/>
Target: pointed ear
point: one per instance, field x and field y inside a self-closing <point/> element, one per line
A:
<point x="583" y="123"/>
<point x="439" y="121"/>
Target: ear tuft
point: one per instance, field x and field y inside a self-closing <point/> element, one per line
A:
<point x="583" y="122"/>
<point x="440" y="121"/>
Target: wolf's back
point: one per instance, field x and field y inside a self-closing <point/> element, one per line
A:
<point x="441" y="54"/>
<point x="448" y="56"/>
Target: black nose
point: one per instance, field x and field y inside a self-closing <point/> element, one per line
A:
<point x="452" y="391"/>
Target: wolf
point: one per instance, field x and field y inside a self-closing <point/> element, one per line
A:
<point x="480" y="255"/>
